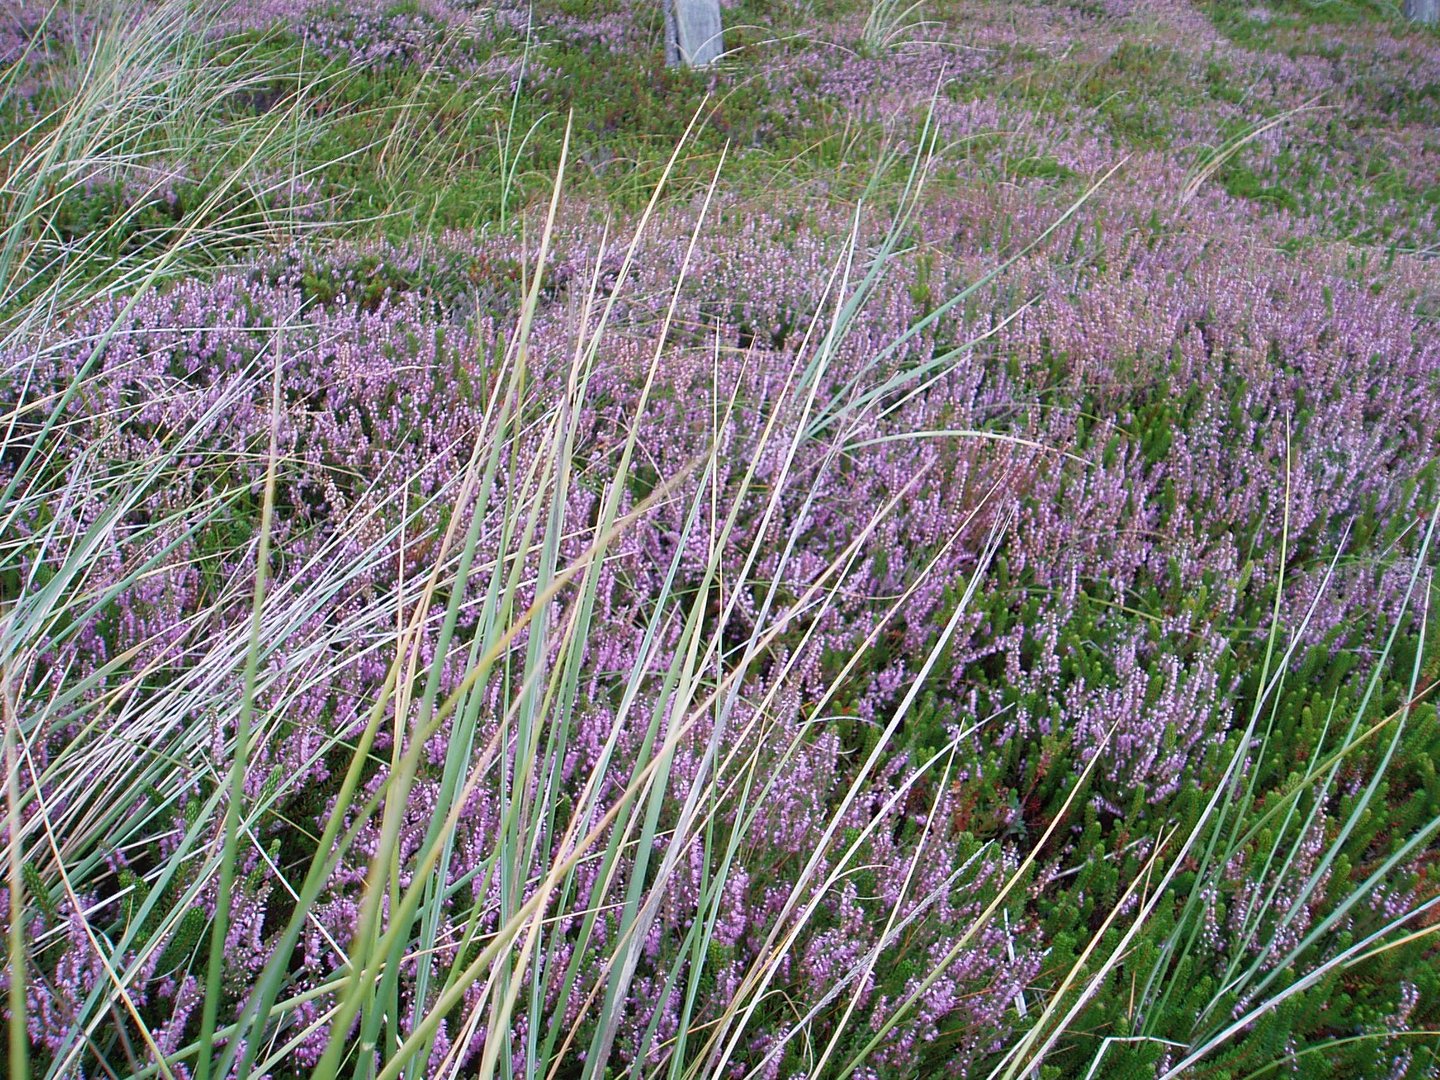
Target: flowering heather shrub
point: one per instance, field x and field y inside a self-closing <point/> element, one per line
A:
<point x="36" y="35"/>
<point x="343" y="364"/>
<point x="375" y="34"/>
<point x="1153" y="393"/>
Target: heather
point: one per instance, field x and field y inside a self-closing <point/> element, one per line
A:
<point x="906" y="554"/>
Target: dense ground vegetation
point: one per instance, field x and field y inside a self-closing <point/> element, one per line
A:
<point x="907" y="554"/>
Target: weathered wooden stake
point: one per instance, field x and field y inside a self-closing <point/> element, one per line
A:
<point x="694" y="36"/>
<point x="1423" y="11"/>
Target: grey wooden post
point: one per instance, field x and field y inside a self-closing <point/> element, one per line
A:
<point x="1423" y="11"/>
<point x="694" y="36"/>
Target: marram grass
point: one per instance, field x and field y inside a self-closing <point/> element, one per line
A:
<point x="932" y="617"/>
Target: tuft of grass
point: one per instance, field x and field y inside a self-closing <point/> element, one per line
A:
<point x="552" y="920"/>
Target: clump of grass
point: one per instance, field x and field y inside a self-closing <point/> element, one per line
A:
<point x="389" y="693"/>
<point x="890" y="23"/>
